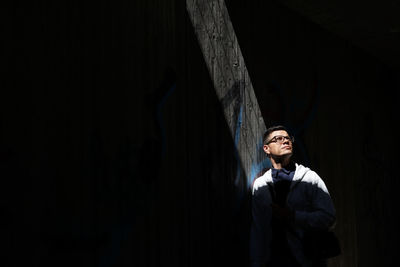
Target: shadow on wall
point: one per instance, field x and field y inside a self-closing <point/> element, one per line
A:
<point x="62" y="234"/>
<point x="295" y="111"/>
<point x="142" y="164"/>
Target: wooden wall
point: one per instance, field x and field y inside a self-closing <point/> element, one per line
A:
<point x="115" y="150"/>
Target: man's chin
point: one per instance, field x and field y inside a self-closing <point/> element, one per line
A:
<point x="283" y="157"/>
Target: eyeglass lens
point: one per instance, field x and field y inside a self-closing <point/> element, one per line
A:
<point x="281" y="138"/>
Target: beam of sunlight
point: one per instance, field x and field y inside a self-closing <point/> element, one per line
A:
<point x="228" y="72"/>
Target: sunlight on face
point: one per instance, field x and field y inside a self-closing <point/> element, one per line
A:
<point x="279" y="144"/>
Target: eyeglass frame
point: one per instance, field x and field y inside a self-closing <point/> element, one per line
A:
<point x="287" y="137"/>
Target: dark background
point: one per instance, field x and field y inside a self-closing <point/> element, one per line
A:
<point x="114" y="149"/>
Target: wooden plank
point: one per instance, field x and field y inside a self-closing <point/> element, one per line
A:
<point x="228" y="72"/>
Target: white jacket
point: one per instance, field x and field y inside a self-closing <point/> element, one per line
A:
<point x="308" y="197"/>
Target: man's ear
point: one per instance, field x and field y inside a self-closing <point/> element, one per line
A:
<point x="266" y="149"/>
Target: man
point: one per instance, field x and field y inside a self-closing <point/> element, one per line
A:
<point x="287" y="200"/>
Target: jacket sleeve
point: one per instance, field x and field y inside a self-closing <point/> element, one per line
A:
<point x="321" y="214"/>
<point x="260" y="232"/>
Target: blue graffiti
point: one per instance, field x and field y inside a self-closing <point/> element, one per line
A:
<point x="237" y="137"/>
<point x="257" y="167"/>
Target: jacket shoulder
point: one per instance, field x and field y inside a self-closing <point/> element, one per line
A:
<point x="260" y="180"/>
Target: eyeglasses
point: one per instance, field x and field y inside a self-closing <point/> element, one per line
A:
<point x="280" y="139"/>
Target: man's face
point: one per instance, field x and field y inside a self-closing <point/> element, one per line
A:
<point x="280" y="144"/>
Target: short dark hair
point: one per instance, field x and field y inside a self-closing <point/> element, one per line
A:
<point x="273" y="129"/>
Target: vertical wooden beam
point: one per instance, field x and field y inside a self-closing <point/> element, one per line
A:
<point x="231" y="80"/>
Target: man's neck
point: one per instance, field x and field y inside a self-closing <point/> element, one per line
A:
<point x="279" y="163"/>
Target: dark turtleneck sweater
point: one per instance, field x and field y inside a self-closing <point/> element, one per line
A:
<point x="286" y="173"/>
<point x="282" y="178"/>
